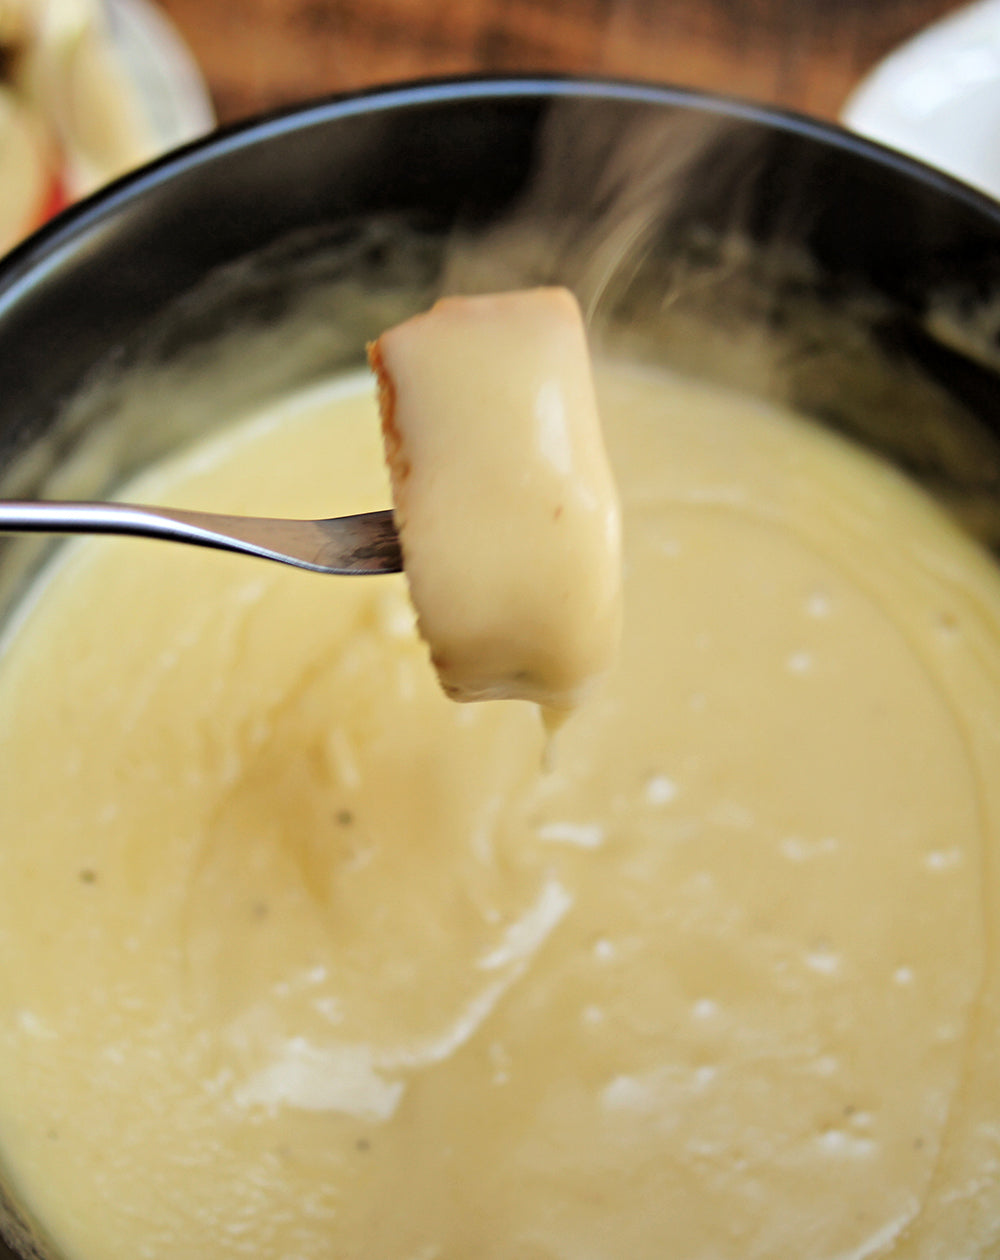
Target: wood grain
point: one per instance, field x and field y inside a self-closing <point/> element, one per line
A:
<point x="800" y="54"/>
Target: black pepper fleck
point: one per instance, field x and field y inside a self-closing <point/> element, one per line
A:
<point x="88" y="876"/>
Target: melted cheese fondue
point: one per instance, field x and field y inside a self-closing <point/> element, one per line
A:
<point x="300" y="959"/>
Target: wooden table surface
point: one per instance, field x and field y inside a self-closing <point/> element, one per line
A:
<point x="802" y="54"/>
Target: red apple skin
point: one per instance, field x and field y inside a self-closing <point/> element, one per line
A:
<point x="55" y="200"/>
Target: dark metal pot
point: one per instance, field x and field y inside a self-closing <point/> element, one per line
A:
<point x="856" y="285"/>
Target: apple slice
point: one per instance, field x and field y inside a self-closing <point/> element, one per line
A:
<point x="72" y="74"/>
<point x="29" y="181"/>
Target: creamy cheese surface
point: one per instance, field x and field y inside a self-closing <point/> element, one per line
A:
<point x="506" y="507"/>
<point x="300" y="959"/>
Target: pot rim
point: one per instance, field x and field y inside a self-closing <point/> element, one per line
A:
<point x="41" y="250"/>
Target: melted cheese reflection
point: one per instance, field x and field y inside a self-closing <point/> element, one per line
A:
<point x="299" y="958"/>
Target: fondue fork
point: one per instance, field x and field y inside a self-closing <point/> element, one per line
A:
<point x="366" y="543"/>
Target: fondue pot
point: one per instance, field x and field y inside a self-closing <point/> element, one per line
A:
<point x="783" y="257"/>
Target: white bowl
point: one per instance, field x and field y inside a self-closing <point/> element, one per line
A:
<point x="937" y="97"/>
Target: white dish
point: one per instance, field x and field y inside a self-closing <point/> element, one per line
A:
<point x="167" y="88"/>
<point x="164" y="71"/>
<point x="937" y="97"/>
